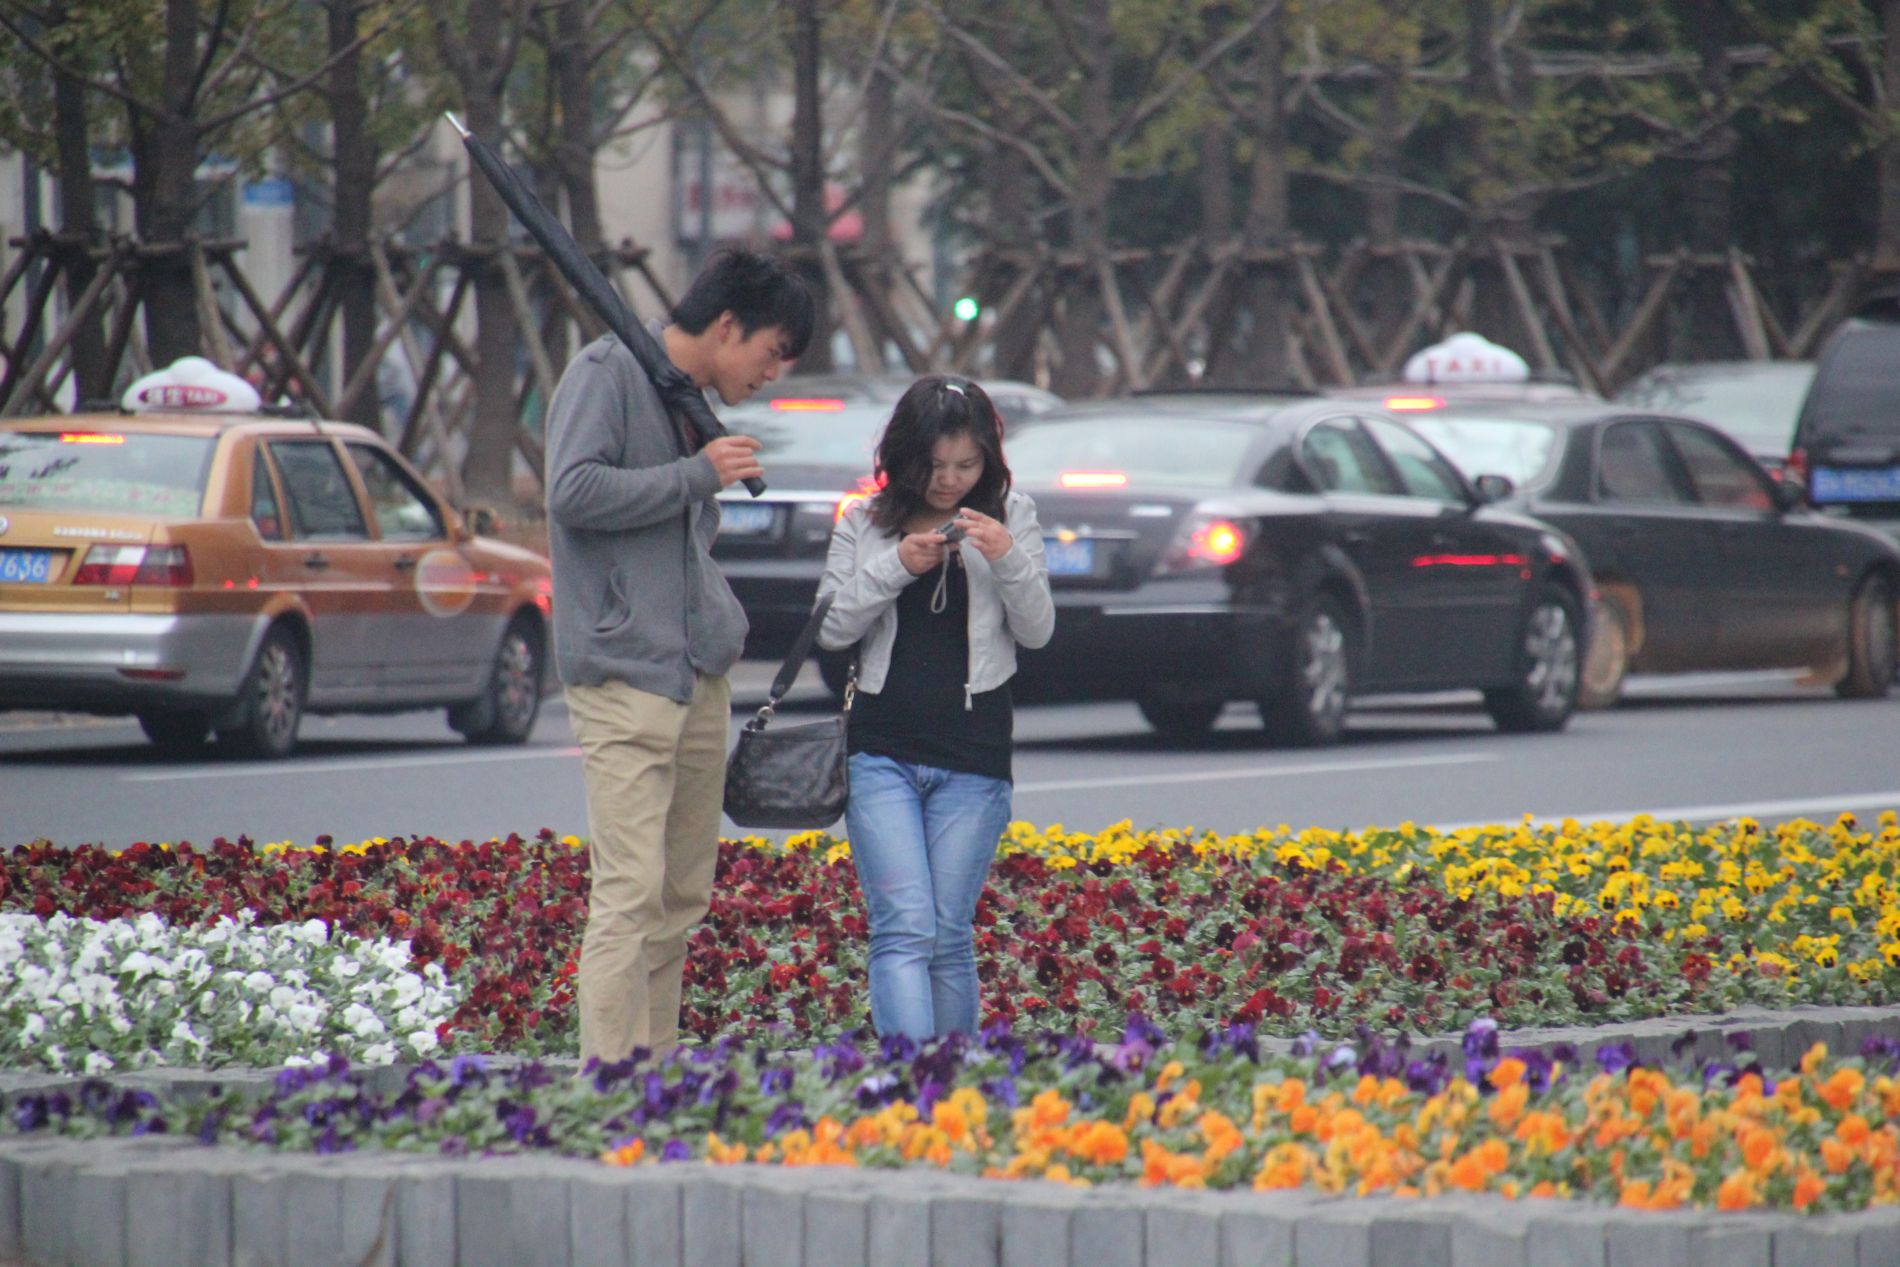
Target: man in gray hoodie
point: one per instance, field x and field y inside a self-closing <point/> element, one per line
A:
<point x="646" y="628"/>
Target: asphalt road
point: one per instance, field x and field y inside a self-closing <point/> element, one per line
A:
<point x="1697" y="748"/>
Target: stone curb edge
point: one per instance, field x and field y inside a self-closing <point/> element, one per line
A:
<point x="161" y="1203"/>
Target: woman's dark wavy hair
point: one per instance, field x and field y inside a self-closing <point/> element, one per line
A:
<point x="935" y="407"/>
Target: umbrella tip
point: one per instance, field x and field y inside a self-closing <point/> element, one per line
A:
<point x="455" y="123"/>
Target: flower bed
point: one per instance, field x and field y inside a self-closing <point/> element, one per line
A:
<point x="1359" y="1118"/>
<point x="1411" y="929"/>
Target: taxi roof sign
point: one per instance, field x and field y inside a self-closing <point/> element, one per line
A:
<point x="191" y="384"/>
<point x="1466" y="358"/>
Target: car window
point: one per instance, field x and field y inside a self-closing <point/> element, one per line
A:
<point x="1721" y="476"/>
<point x="1183" y="453"/>
<point x="1635" y="467"/>
<point x="1343" y="459"/>
<point x="77" y="468"/>
<point x="322" y="503"/>
<point x="1423" y="472"/>
<point x="1513" y="447"/>
<point x="270" y="524"/>
<point x="1756" y="403"/>
<point x="403" y="512"/>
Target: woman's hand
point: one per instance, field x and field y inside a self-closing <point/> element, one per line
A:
<point x="990" y="537"/>
<point x="921" y="551"/>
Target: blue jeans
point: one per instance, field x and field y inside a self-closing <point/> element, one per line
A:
<point x="922" y="840"/>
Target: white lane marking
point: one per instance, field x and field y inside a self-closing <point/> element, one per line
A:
<point x="1829" y="805"/>
<point x="1259" y="772"/>
<point x="253" y="769"/>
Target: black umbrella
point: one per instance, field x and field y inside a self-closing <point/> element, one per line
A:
<point x="675" y="387"/>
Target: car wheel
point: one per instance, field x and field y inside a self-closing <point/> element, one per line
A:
<point x="1871" y="641"/>
<point x="1547" y="674"/>
<point x="271" y="704"/>
<point x="1309" y="708"/>
<point x="1607" y="662"/>
<point x="506" y="710"/>
<point x="1180" y="716"/>
<point x="176" y="732"/>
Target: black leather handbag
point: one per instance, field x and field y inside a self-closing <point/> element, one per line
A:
<point x="794" y="776"/>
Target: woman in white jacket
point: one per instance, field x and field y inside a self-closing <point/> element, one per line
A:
<point x="937" y="578"/>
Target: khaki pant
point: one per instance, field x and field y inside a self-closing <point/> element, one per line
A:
<point x="655" y="774"/>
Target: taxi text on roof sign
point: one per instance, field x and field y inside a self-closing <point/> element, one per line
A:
<point x="191" y="384"/>
<point x="1466" y="358"/>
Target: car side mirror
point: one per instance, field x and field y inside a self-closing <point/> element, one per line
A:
<point x="1789" y="495"/>
<point x="1493" y="488"/>
<point x="480" y="521"/>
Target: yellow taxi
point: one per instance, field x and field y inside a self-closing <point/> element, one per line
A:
<point x="214" y="566"/>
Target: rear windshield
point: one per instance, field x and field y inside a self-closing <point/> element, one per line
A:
<point x="1516" y="447"/>
<point x="812" y="435"/>
<point x="1856" y="393"/>
<point x="1174" y="452"/>
<point x="104" y="471"/>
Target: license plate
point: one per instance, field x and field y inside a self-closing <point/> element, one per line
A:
<point x="744" y="519"/>
<point x="1069" y="558"/>
<point x="1855" y="484"/>
<point x="26" y="567"/>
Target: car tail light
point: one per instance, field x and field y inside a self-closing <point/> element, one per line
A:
<point x="808" y="405"/>
<point x="1796" y="471"/>
<point x="1414" y="404"/>
<point x="544" y="594"/>
<point x="1206" y="541"/>
<point x="135" y="565"/>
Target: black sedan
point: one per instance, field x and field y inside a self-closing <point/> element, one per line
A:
<point x="1290" y="551"/>
<point x="1702" y="560"/>
<point x="817" y="434"/>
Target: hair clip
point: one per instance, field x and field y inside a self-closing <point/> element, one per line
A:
<point x="953" y="387"/>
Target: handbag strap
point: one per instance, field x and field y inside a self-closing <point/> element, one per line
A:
<point x="794" y="661"/>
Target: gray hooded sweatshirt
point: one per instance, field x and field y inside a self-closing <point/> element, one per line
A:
<point x="631" y="520"/>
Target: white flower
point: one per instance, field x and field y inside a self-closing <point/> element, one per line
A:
<point x="34" y="1027"/>
<point x="424" y="1041"/>
<point x="379" y="1054"/>
<point x="258" y="982"/>
<point x="97" y="1062"/>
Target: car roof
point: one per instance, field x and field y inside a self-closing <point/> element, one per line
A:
<point x="1529" y="390"/>
<point x="209" y="425"/>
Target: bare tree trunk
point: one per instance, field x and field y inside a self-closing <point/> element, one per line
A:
<point x="1887" y="157"/>
<point x="78" y="220"/>
<point x="1218" y="226"/>
<point x="1265" y="287"/>
<point x="810" y="223"/>
<point x="569" y="66"/>
<point x="1079" y="376"/>
<point x="1388" y="143"/>
<point x="877" y="149"/>
<point x="1703" y="327"/>
<point x="354" y="162"/>
<point x="1013" y="339"/>
<point x="486" y="473"/>
<point x="164" y="176"/>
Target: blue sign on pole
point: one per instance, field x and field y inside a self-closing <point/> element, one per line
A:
<point x="272" y="191"/>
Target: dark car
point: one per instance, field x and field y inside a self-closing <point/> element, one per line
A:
<point x="1847" y="442"/>
<point x="817" y="435"/>
<point x="1702" y="560"/>
<point x="1757" y="402"/>
<point x="1290" y="551"/>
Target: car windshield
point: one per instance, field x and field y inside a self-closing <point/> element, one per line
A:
<point x="794" y="431"/>
<point x="1176" y="452"/>
<point x="1515" y="447"/>
<point x="85" y="469"/>
<point x="1757" y="406"/>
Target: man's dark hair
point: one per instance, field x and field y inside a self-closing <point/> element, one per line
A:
<point x="758" y="290"/>
<point x="937" y="406"/>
